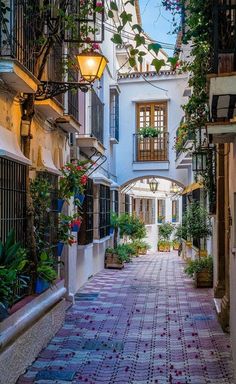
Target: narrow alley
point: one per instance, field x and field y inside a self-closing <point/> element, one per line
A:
<point x="140" y="325"/>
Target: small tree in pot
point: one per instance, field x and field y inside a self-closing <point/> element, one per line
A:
<point x="165" y="231"/>
<point x="201" y="270"/>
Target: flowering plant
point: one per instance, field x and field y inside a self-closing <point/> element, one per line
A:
<point x="73" y="179"/>
<point x="64" y="228"/>
<point x="181" y="137"/>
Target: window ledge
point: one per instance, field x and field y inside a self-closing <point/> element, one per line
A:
<point x="98" y="241"/>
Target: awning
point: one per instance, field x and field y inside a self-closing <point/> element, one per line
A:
<point x="99" y="178"/>
<point x="192" y="187"/>
<point x="10" y="148"/>
<point x="45" y="162"/>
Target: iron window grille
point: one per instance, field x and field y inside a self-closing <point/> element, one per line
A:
<point x="13" y="199"/>
<point x="115" y="201"/>
<point x="85" y="235"/>
<point x="50" y="219"/>
<point x="97" y="117"/>
<point x="104" y="211"/>
<point x="127" y="203"/>
<point x="114" y="115"/>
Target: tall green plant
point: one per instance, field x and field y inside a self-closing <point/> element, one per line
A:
<point x="197" y="221"/>
<point x="165" y="231"/>
<point x="132" y="227"/>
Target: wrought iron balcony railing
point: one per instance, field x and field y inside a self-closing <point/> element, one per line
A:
<point x="97" y="117"/>
<point x="224" y="36"/>
<point x="181" y="141"/>
<point x="151" y="148"/>
<point x="17" y="32"/>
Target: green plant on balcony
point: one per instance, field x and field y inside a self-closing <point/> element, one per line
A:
<point x="149" y="132"/>
<point x="182" y="135"/>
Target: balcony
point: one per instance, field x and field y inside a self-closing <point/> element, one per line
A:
<point x="93" y="142"/>
<point x="151" y="153"/>
<point x="222" y="124"/>
<point x="184" y="151"/>
<point x="224" y="41"/>
<point x="17" y="51"/>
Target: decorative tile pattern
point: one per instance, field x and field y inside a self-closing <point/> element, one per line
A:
<point x="145" y="324"/>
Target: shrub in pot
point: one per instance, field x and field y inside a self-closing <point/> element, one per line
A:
<point x="201" y="269"/>
<point x="165" y="231"/>
<point x="46" y="273"/>
<point x="141" y="247"/>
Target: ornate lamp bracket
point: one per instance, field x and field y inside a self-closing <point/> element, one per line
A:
<point x="49" y="89"/>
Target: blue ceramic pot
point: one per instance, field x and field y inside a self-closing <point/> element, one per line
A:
<point x="75" y="227"/>
<point x="80" y="197"/>
<point x="60" y="203"/>
<point x="111" y="230"/>
<point x="41" y="285"/>
<point x="60" y="247"/>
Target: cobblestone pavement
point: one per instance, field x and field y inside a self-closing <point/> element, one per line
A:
<point x="144" y="324"/>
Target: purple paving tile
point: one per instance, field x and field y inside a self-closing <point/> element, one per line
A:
<point x="145" y="324"/>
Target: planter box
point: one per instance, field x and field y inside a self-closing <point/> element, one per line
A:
<point x="142" y="251"/>
<point x="112" y="261"/>
<point x="176" y="246"/>
<point x="189" y="243"/>
<point x="203" y="279"/>
<point x="164" y="248"/>
<point x="41" y="285"/>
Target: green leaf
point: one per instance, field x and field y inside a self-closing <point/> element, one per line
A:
<point x="134" y="52"/>
<point x="132" y="62"/>
<point x="10" y="239"/>
<point x="173" y="60"/>
<point x="125" y="17"/>
<point x="110" y="14"/>
<point x="138" y="27"/>
<point x="113" y="6"/>
<point x="158" y="64"/>
<point x="130" y="2"/>
<point x="140" y="59"/>
<point x="155" y="47"/>
<point x="142" y="53"/>
<point x="116" y="39"/>
<point x="139" y="40"/>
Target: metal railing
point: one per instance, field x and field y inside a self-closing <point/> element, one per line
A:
<point x="17" y="32"/>
<point x="188" y="137"/>
<point x="224" y="37"/>
<point x="97" y="117"/>
<point x="151" y="148"/>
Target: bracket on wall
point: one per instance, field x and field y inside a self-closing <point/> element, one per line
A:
<point x="99" y="156"/>
<point x="49" y="89"/>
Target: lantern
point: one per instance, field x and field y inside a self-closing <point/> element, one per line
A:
<point x="199" y="161"/>
<point x="91" y="65"/>
<point x="153" y="185"/>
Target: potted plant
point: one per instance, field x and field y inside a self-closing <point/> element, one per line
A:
<point x="201" y="269"/>
<point x="46" y="273"/>
<point x="13" y="273"/>
<point x="165" y="231"/>
<point x="149" y="132"/>
<point x="160" y="219"/>
<point x="197" y="222"/>
<point x="141" y="247"/>
<point x="65" y="225"/>
<point x="73" y="181"/>
<point x="116" y="257"/>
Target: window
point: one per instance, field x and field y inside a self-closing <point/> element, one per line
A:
<point x="127" y="204"/>
<point x="114" y="114"/>
<point x="85" y="235"/>
<point x="149" y="148"/>
<point x="12" y="199"/>
<point x="49" y="220"/>
<point x="115" y="201"/>
<point x="104" y="211"/>
<point x="152" y="115"/>
<point x="175" y="211"/>
<point x="161" y="208"/>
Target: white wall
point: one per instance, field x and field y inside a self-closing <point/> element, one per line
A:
<point x="134" y="90"/>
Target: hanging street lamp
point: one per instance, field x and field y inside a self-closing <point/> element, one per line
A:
<point x="91" y="65"/>
<point x="153" y="185"/>
<point x="199" y="161"/>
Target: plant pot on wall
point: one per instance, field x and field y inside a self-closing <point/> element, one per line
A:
<point x="75" y="227"/>
<point x="79" y="197"/>
<point x="60" y="203"/>
<point x="60" y="247"/>
<point x="41" y="285"/>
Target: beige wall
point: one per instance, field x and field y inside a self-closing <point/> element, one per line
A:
<point x="232" y="266"/>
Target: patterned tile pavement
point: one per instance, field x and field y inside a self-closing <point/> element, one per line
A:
<point x="144" y="324"/>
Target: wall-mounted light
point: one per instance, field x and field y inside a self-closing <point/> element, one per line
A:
<point x="91" y="65"/>
<point x="153" y="185"/>
<point x="199" y="161"/>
